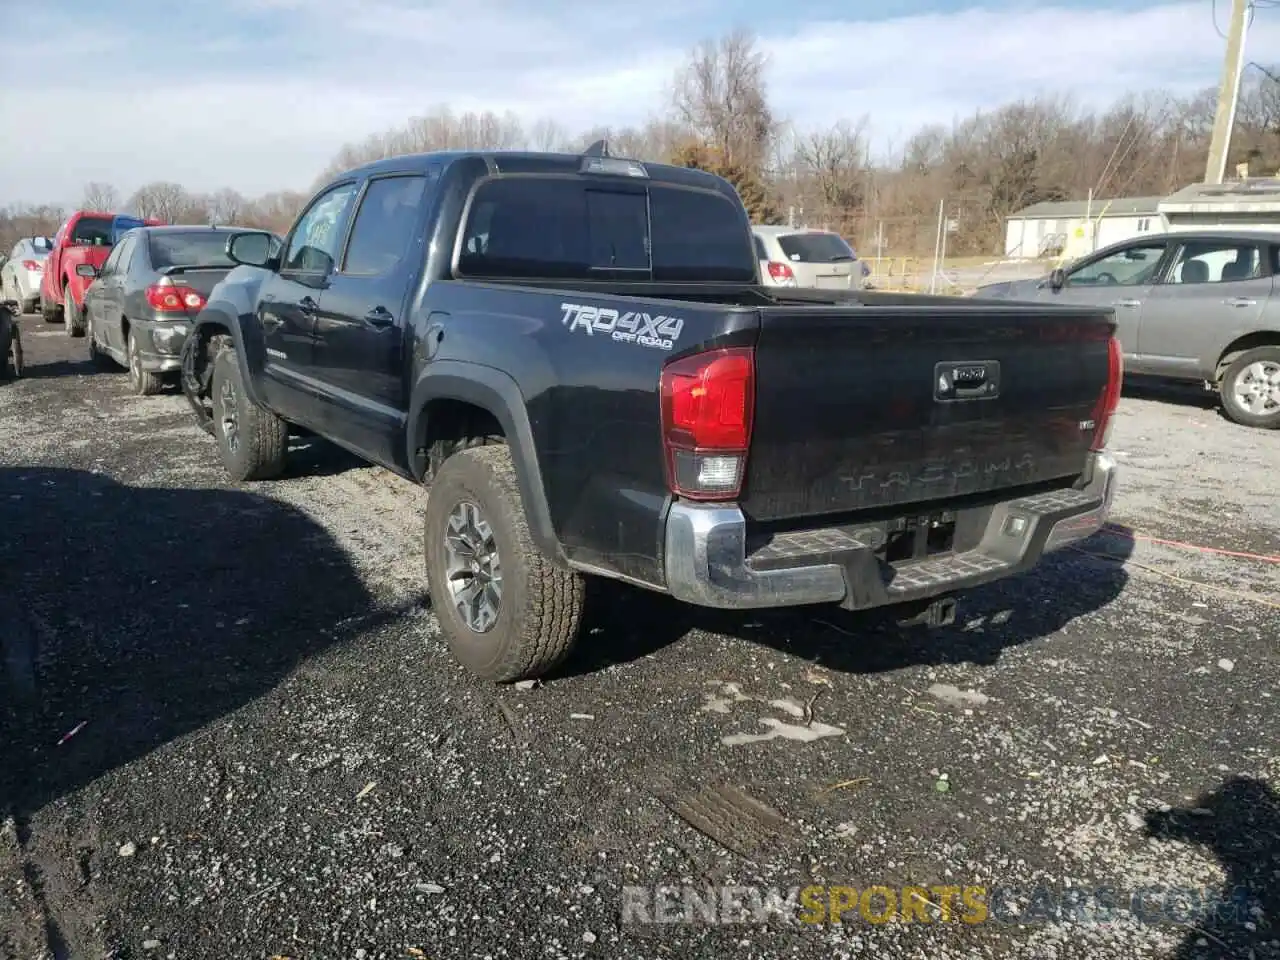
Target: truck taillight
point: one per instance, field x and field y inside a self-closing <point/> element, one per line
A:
<point x="781" y="273"/>
<point x="707" y="404"/>
<point x="35" y="266"/>
<point x="167" y="297"/>
<point x="1109" y="398"/>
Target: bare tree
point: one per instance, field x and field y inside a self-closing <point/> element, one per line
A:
<point x="836" y="162"/>
<point x="548" y="135"/>
<point x="226" y="206"/>
<point x="722" y="96"/>
<point x="100" y="196"/>
<point x="161" y="199"/>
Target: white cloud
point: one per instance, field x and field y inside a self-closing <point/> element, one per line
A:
<point x="260" y="108"/>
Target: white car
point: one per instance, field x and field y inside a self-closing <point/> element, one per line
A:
<point x="799" y="257"/>
<point x="21" y="273"/>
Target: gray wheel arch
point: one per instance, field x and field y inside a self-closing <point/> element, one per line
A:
<point x="495" y="391"/>
<point x="219" y="318"/>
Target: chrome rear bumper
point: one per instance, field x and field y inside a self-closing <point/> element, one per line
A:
<point x="708" y="560"/>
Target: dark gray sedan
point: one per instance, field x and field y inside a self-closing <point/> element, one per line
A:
<point x="1198" y="306"/>
<point x="139" y="308"/>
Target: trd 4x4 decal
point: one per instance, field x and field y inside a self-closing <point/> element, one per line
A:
<point x="660" y="333"/>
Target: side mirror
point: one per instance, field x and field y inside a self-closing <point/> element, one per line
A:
<point x="1057" y="279"/>
<point x="252" y="249"/>
<point x="87" y="270"/>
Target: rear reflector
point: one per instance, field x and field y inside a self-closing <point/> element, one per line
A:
<point x="707" y="405"/>
<point x="1109" y="399"/>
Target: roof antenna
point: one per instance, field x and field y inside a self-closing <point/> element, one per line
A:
<point x="598" y="149"/>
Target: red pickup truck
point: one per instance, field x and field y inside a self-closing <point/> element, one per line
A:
<point x="86" y="237"/>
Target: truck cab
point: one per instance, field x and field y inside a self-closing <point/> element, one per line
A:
<point x="86" y="238"/>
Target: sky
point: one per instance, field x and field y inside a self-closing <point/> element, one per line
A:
<point x="258" y="95"/>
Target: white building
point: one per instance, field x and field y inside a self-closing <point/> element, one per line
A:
<point x="1238" y="205"/>
<point x="1073" y="227"/>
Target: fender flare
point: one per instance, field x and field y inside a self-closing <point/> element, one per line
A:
<point x="493" y="390"/>
<point x="220" y="317"/>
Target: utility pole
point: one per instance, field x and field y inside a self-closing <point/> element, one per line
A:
<point x="1228" y="92"/>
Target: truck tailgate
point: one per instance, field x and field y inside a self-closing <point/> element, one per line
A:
<point x="862" y="407"/>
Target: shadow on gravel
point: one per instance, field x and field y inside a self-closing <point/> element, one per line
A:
<point x="1166" y="391"/>
<point x="312" y="456"/>
<point x="56" y="369"/>
<point x="145" y="614"/>
<point x="1240" y="823"/>
<point x="625" y="623"/>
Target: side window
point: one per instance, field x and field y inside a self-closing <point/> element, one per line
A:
<point x="126" y="248"/>
<point x="1216" y="262"/>
<point x="313" y="248"/>
<point x="761" y="252"/>
<point x="109" y="267"/>
<point x="1132" y="266"/>
<point x="384" y="225"/>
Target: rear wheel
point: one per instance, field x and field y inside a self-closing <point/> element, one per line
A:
<point x="507" y="612"/>
<point x="252" y="441"/>
<point x="72" y="316"/>
<point x="48" y="310"/>
<point x="1251" y="388"/>
<point x="142" y="382"/>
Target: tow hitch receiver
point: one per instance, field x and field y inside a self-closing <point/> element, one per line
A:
<point x="940" y="612"/>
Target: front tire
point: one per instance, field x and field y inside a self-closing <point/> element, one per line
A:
<point x="48" y="311"/>
<point x="253" y="442"/>
<point x="73" y="316"/>
<point x="507" y="612"/>
<point x="1251" y="389"/>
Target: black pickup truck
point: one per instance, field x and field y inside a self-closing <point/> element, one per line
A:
<point x="576" y="354"/>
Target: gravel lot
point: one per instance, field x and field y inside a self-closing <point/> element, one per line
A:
<point x="273" y="755"/>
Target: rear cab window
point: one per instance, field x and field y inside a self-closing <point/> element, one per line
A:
<point x="202" y="249"/>
<point x="815" y="247"/>
<point x="554" y="227"/>
<point x="93" y="231"/>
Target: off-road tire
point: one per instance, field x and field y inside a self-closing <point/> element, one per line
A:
<point x="263" y="438"/>
<point x="72" y="316"/>
<point x="143" y="383"/>
<point x="1226" y="390"/>
<point x="541" y="608"/>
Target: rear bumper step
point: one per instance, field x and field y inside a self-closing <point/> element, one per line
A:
<point x="710" y="562"/>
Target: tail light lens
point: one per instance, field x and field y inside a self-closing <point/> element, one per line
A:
<point x="35" y="266"/>
<point x="707" y="404"/>
<point x="168" y="297"/>
<point x="1109" y="398"/>
<point x="781" y="273"/>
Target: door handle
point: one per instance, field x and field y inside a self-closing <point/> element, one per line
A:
<point x="379" y="317"/>
<point x="307" y="305"/>
<point x="1239" y="302"/>
<point x="1127" y="303"/>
